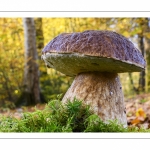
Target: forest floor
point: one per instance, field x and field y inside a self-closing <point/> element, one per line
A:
<point x="137" y="110"/>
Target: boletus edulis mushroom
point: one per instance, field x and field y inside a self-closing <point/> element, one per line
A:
<point x="95" y="58"/>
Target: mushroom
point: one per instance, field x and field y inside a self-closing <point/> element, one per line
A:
<point x="95" y="58"/>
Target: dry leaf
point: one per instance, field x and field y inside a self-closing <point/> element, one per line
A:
<point x="140" y="113"/>
<point x="135" y="121"/>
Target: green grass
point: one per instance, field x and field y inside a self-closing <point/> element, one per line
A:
<point x="57" y="117"/>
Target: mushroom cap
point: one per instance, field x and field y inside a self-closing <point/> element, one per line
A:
<point x="92" y="50"/>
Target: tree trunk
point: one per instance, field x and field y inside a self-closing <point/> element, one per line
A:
<point x="103" y="92"/>
<point x="31" y="93"/>
<point x="136" y="90"/>
<point x="148" y="67"/>
<point x="148" y="56"/>
<point x="142" y="74"/>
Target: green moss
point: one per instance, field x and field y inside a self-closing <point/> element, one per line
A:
<point x="57" y="117"/>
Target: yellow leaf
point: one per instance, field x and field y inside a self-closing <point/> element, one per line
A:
<point x="140" y="113"/>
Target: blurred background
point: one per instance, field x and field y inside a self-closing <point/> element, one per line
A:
<point x="25" y="80"/>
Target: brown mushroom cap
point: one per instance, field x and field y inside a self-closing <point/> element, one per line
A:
<point x="92" y="50"/>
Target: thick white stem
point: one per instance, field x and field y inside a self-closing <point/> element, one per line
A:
<point x="102" y="91"/>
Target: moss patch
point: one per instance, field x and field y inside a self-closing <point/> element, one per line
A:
<point x="56" y="117"/>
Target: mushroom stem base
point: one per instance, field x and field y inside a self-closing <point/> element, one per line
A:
<point x="103" y="92"/>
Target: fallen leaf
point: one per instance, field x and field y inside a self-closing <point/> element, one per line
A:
<point x="135" y="121"/>
<point x="140" y="113"/>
